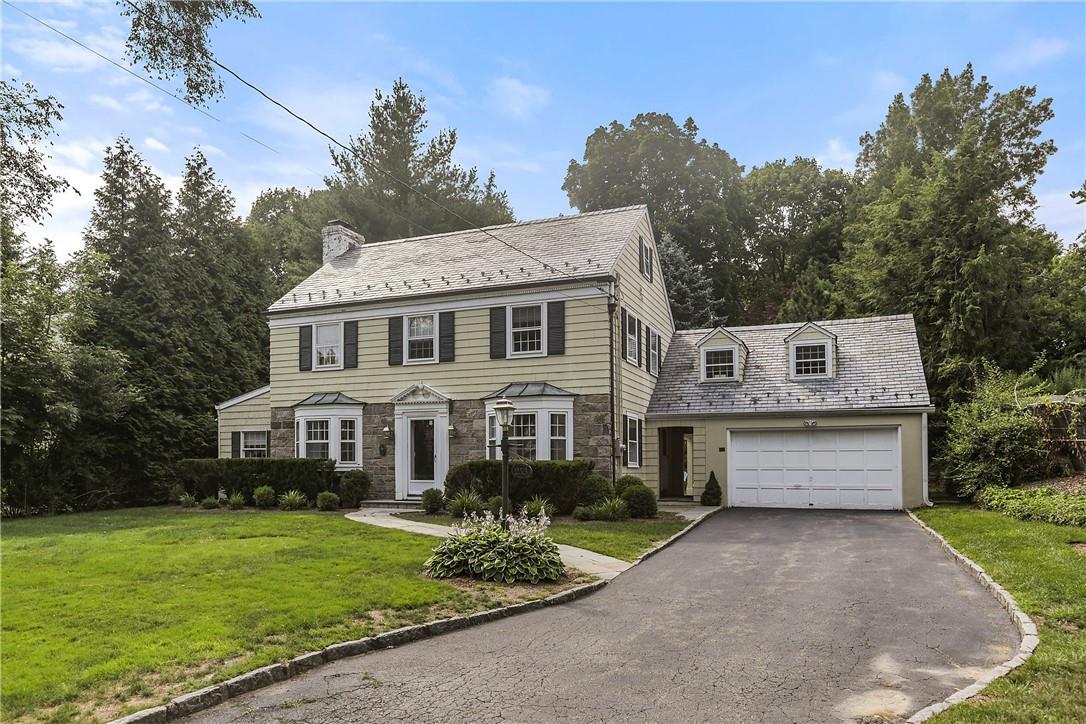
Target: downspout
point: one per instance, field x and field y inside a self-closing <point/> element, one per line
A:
<point x="611" y="308"/>
<point x="924" y="453"/>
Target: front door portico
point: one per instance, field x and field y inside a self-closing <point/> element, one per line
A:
<point x="422" y="440"/>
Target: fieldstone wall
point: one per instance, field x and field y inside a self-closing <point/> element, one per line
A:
<point x="468" y="417"/>
<point x="282" y="432"/>
<point x="592" y="431"/>
<point x="381" y="467"/>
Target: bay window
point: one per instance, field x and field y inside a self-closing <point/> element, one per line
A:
<point x="541" y="429"/>
<point x="334" y="434"/>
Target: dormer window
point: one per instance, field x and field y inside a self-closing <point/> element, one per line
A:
<point x="810" y="352"/>
<point x="718" y="364"/>
<point x="809" y="359"/>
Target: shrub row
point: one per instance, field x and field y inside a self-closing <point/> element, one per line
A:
<point x="1044" y="504"/>
<point x="565" y="483"/>
<point x="204" y="477"/>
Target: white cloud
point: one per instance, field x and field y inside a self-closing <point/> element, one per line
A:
<point x="515" y="98"/>
<point x="150" y="102"/>
<point x="106" y="102"/>
<point x="10" y="71"/>
<point x="210" y="150"/>
<point x="41" y="46"/>
<point x="153" y="144"/>
<point x="1031" y="52"/>
<point x="836" y="154"/>
<point x="83" y="152"/>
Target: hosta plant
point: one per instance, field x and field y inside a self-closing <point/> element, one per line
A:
<point x="481" y="548"/>
<point x="293" y="500"/>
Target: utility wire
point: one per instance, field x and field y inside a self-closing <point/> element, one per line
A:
<point x="367" y="162"/>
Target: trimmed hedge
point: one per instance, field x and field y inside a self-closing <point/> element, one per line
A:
<point x="640" y="500"/>
<point x="205" y="476"/>
<point x="1044" y="504"/>
<point x="560" y="481"/>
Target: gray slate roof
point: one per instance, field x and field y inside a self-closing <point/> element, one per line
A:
<point x="530" y="389"/>
<point x="878" y="366"/>
<point x="328" y="398"/>
<point x="581" y="246"/>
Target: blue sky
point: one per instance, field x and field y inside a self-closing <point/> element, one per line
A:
<point x="524" y="85"/>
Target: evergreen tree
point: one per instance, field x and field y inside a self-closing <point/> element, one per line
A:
<point x="689" y="288"/>
<point x="810" y="298"/>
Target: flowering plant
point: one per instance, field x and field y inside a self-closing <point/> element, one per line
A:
<point x="481" y="548"/>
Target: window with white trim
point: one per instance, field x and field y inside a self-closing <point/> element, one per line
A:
<point x="633" y="349"/>
<point x="558" y="436"/>
<point x="633" y="441"/>
<point x="420" y="338"/>
<point x="254" y="444"/>
<point x="718" y="363"/>
<point x="810" y="359"/>
<point x="329" y="343"/>
<point x="493" y="438"/>
<point x="522" y="440"/>
<point x="526" y="330"/>
<point x="347" y="440"/>
<point x="654" y="353"/>
<point x="317" y="439"/>
<point x="645" y="258"/>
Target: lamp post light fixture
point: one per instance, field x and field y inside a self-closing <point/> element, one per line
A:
<point x="503" y="411"/>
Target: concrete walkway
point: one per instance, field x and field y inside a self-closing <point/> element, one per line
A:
<point x="594" y="564"/>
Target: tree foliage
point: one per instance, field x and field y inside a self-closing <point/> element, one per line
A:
<point x="689" y="287"/>
<point x="26" y="129"/>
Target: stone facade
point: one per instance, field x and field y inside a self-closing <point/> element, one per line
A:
<point x="592" y="431"/>
<point x="282" y="432"/>
<point x="468" y="418"/>
<point x="379" y="452"/>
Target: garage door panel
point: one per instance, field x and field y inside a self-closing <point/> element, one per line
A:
<point x="828" y="468"/>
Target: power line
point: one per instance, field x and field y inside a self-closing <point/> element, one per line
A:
<point x="371" y="164"/>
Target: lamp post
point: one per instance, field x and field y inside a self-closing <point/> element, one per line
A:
<point x="503" y="411"/>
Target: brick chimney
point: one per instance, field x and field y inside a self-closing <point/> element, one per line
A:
<point x="338" y="238"/>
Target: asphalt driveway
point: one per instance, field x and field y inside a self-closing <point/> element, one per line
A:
<point x="757" y="615"/>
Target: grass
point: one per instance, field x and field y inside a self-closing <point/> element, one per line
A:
<point x="1040" y="566"/>
<point x="108" y="612"/>
<point x="626" y="540"/>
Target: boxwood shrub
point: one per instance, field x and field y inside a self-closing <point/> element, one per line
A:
<point x="563" y="482"/>
<point x="206" y="476"/>
<point x="640" y="500"/>
<point x="1044" y="504"/>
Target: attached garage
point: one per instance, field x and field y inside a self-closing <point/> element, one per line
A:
<point x="830" y="468"/>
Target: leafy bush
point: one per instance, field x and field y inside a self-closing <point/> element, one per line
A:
<point x="293" y="500"/>
<point x="479" y="547"/>
<point x="354" y="486"/>
<point x="626" y="481"/>
<point x="991" y="440"/>
<point x="236" y="501"/>
<point x="209" y="502"/>
<point x="327" y="500"/>
<point x="612" y="510"/>
<point x="537" y="505"/>
<point x="467" y="503"/>
<point x="712" y="494"/>
<point x="494" y="505"/>
<point x="433" y="500"/>
<point x="1044" y="504"/>
<point x="1069" y="378"/>
<point x="187" y="500"/>
<point x="560" y="481"/>
<point x="264" y="496"/>
<point x="640" y="500"/>
<point x="595" y="488"/>
<point x="205" y="476"/>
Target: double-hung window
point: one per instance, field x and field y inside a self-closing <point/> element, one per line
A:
<point x="348" y="440"/>
<point x="526" y="330"/>
<point x="559" y="449"/>
<point x="645" y="258"/>
<point x="541" y="428"/>
<point x="254" y="444"/>
<point x="718" y="363"/>
<point x="633" y="347"/>
<point x="317" y="439"/>
<point x="421" y="338"/>
<point x="634" y="427"/>
<point x="327" y="351"/>
<point x="654" y="353"/>
<point x="810" y="359"/>
<point x="522" y="435"/>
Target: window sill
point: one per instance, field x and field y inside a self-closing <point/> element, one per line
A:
<point x="801" y="378"/>
<point x="327" y="368"/>
<point x="420" y="362"/>
<point x="715" y="380"/>
<point x="521" y="355"/>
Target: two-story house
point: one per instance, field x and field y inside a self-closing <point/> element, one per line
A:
<point x="390" y="357"/>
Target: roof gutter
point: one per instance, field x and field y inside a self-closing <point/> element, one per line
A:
<point x="836" y="412"/>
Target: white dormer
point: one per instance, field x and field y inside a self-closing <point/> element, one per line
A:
<point x="812" y="353"/>
<point x="722" y="357"/>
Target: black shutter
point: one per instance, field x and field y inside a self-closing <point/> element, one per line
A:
<point x="395" y="340"/>
<point x="659" y="355"/>
<point x="267" y="443"/>
<point x="305" y="348"/>
<point x="235" y="444"/>
<point x="640" y="442"/>
<point x="626" y="440"/>
<point x="640" y="344"/>
<point x="556" y="328"/>
<point x="650" y="255"/>
<point x="446" y="349"/>
<point x="497" y="332"/>
<point x="350" y="344"/>
<point x="641" y="254"/>
<point x="624" y="323"/>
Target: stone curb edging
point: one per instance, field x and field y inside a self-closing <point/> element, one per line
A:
<point x="1027" y="629"/>
<point x="209" y="696"/>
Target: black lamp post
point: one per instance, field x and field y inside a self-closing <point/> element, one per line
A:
<point x="503" y="411"/>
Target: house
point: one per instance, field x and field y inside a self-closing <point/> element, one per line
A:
<point x="390" y="358"/>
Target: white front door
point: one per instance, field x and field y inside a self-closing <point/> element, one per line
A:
<point x="823" y="468"/>
<point x="422" y="452"/>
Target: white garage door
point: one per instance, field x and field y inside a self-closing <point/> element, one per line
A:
<point x="827" y="468"/>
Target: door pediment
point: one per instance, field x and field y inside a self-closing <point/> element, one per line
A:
<point x="420" y="394"/>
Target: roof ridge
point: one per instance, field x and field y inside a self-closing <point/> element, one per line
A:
<point x="782" y="325"/>
<point x="476" y="229"/>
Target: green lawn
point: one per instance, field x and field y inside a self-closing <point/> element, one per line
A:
<point x="108" y="612"/>
<point x="1040" y="567"/>
<point x="626" y="540"/>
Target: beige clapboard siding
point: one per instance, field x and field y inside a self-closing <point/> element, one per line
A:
<point x="649" y="302"/>
<point x="583" y="368"/>
<point x="248" y="416"/>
